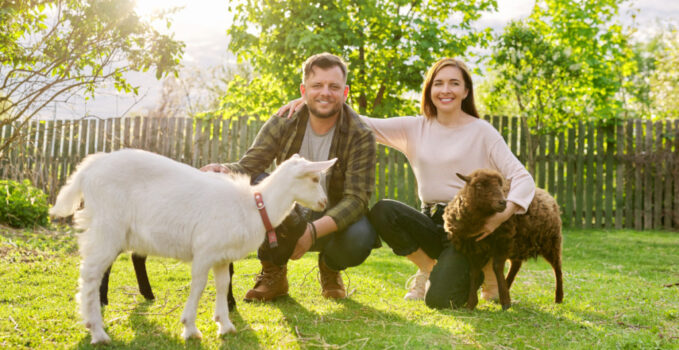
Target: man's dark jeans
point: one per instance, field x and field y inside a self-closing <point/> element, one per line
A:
<point x="339" y="250"/>
<point x="406" y="229"/>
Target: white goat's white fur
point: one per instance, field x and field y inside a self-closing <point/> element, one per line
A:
<point x="152" y="205"/>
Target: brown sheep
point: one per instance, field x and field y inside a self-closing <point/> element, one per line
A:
<point x="537" y="232"/>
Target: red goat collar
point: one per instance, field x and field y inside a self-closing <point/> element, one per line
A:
<point x="270" y="232"/>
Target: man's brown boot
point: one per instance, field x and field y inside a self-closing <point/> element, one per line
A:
<point x="271" y="283"/>
<point x="331" y="281"/>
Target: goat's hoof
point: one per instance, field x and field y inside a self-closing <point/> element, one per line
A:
<point x="100" y="337"/>
<point x="506" y="306"/>
<point x="191" y="332"/>
<point x="226" y="328"/>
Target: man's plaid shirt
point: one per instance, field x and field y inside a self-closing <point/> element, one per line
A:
<point x="350" y="180"/>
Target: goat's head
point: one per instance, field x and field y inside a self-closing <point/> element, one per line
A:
<point x="305" y="179"/>
<point x="485" y="191"/>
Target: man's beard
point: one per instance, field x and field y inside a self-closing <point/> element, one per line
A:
<point x="327" y="115"/>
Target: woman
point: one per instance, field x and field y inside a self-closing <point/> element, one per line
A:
<point x="449" y="138"/>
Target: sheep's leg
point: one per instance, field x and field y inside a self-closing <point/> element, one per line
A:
<point x="475" y="281"/>
<point x="199" y="272"/>
<point x="96" y="259"/>
<point x="222" y="282"/>
<point x="513" y="270"/>
<point x="555" y="261"/>
<point x="503" y="289"/>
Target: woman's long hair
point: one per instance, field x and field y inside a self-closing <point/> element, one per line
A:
<point x="468" y="106"/>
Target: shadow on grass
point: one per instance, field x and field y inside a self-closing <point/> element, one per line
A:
<point x="150" y="334"/>
<point x="354" y="325"/>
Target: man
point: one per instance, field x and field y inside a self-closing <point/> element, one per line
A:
<point x="325" y="128"/>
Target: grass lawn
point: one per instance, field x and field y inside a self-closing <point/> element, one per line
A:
<point x="614" y="283"/>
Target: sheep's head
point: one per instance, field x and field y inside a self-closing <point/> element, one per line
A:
<point x="484" y="191"/>
<point x="306" y="181"/>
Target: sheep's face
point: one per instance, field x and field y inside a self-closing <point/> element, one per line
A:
<point x="484" y="191"/>
<point x="307" y="179"/>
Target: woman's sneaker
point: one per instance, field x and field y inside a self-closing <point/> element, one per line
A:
<point x="417" y="286"/>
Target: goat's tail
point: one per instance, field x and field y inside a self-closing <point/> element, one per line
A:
<point x="70" y="195"/>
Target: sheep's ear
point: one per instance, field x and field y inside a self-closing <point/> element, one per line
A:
<point x="464" y="178"/>
<point x="509" y="182"/>
<point x="317" y="167"/>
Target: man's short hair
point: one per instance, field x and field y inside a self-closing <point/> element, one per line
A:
<point x="324" y="61"/>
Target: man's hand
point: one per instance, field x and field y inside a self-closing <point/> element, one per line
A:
<point x="494" y="221"/>
<point x="292" y="107"/>
<point x="303" y="245"/>
<point x="215" y="168"/>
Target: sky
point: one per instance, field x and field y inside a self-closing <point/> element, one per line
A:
<point x="202" y="25"/>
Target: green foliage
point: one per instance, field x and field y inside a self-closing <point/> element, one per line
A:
<point x="614" y="299"/>
<point x="569" y="61"/>
<point x="388" y="45"/>
<point x="22" y="205"/>
<point x="56" y="48"/>
<point x="664" y="77"/>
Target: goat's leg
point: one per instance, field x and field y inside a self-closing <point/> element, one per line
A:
<point x="139" y="263"/>
<point x="222" y="283"/>
<point x="503" y="289"/>
<point x="231" y="301"/>
<point x="475" y="281"/>
<point x="199" y="272"/>
<point x="103" y="288"/>
<point x="513" y="270"/>
<point x="96" y="259"/>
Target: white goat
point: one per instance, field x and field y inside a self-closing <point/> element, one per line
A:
<point x="152" y="205"/>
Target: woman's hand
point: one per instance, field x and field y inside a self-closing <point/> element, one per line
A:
<point x="494" y="221"/>
<point x="292" y="107"/>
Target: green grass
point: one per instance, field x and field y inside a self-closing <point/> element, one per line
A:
<point x="614" y="298"/>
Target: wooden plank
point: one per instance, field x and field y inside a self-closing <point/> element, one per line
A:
<point x="91" y="136"/>
<point x="188" y="141"/>
<point x="669" y="181"/>
<point x="560" y="171"/>
<point x="659" y="176"/>
<point x="215" y="140"/>
<point x="590" y="176"/>
<point x="648" y="176"/>
<point x="579" y="173"/>
<point x="619" y="174"/>
<point x="675" y="216"/>
<point x="600" y="181"/>
<point x="551" y="165"/>
<point x="181" y="139"/>
<point x="127" y="132"/>
<point x="613" y="192"/>
<point x="638" y="175"/>
<point x="223" y="154"/>
<point x="197" y="143"/>
<point x="514" y="135"/>
<point x="505" y="128"/>
<point x="571" y="170"/>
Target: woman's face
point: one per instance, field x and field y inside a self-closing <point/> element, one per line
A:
<point x="448" y="90"/>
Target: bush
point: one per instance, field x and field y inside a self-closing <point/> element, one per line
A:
<point x="22" y="205"/>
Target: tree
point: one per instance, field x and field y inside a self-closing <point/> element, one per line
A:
<point x="568" y="61"/>
<point x="53" y="49"/>
<point x="388" y="45"/>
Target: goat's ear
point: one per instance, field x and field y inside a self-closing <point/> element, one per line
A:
<point x="317" y="167"/>
<point x="464" y="178"/>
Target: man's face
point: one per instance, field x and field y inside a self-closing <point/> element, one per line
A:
<point x="325" y="91"/>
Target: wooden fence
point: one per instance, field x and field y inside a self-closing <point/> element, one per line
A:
<point x="623" y="177"/>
